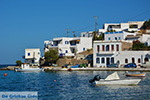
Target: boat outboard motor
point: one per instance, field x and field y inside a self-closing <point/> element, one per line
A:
<point x="96" y="78"/>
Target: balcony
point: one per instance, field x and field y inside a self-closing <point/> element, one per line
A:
<point x="69" y="54"/>
<point x="73" y="45"/>
<point x="53" y="46"/>
<point x="106" y="52"/>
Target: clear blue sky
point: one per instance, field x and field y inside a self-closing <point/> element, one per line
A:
<point x="27" y="23"/>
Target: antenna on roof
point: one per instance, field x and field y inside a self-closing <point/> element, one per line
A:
<point x="74" y="33"/>
<point x="67" y="32"/>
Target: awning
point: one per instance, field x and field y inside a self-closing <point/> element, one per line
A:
<point x="57" y="39"/>
<point x="78" y="40"/>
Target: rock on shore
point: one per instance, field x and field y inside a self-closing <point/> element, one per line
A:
<point x="10" y="68"/>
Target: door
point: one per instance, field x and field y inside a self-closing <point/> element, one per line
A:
<point x="107" y="61"/>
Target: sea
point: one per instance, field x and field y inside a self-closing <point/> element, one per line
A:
<point x="73" y="85"/>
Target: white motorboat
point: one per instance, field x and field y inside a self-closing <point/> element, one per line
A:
<point x="146" y="65"/>
<point x="114" y="79"/>
<point x="26" y="68"/>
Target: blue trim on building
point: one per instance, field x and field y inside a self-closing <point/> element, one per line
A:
<point x="113" y="32"/>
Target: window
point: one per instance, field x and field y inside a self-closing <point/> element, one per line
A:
<point x="117" y="47"/>
<point x="83" y="35"/>
<point x="73" y="50"/>
<point x="83" y="49"/>
<point x="103" y="60"/>
<point x="97" y="48"/>
<point x="107" y="47"/>
<point x="66" y="42"/>
<point x="103" y="47"/>
<point x="119" y="38"/>
<point x="112" y="47"/>
<point x="109" y="38"/>
<point x="97" y="60"/>
<point x="126" y="60"/>
<point x="145" y="59"/>
<point x="66" y="51"/>
<point x="115" y="38"/>
<point x="139" y="60"/>
<point x="28" y="54"/>
<point x="133" y="26"/>
<point x="112" y="60"/>
<point x="133" y="60"/>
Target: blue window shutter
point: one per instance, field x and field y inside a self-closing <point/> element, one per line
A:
<point x="66" y="51"/>
<point x="83" y="49"/>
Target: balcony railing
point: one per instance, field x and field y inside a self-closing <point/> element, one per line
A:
<point x="106" y="52"/>
<point x="73" y="44"/>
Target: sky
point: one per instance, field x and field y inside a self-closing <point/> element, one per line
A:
<point x="28" y="23"/>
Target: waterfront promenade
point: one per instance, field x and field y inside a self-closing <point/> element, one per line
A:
<point x="97" y="69"/>
<point x="85" y="69"/>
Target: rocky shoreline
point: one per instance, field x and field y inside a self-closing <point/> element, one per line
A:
<point x="10" y="68"/>
<point x="13" y="67"/>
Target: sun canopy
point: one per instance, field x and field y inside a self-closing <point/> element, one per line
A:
<point x="113" y="76"/>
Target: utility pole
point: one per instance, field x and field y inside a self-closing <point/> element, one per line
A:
<point x="74" y="33"/>
<point x="67" y="32"/>
<point x="95" y="34"/>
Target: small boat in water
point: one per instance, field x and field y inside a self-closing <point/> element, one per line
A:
<point x="26" y="68"/>
<point x="136" y="74"/>
<point x="113" y="79"/>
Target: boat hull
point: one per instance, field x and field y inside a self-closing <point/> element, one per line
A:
<point x="118" y="82"/>
<point x="136" y="75"/>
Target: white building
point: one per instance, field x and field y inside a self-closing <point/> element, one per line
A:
<point x="87" y="34"/>
<point x="32" y="56"/>
<point x="108" y="52"/>
<point x="120" y="35"/>
<point x="129" y="26"/>
<point x="67" y="46"/>
<point x="128" y="37"/>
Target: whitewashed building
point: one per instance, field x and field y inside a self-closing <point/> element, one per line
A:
<point x="128" y="37"/>
<point x="68" y="46"/>
<point x="120" y="35"/>
<point x="129" y="26"/>
<point x="32" y="56"/>
<point x="108" y="52"/>
<point x="87" y="34"/>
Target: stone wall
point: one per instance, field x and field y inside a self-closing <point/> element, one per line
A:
<point x="126" y="46"/>
<point x="71" y="61"/>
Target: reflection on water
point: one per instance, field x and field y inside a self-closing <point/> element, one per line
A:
<point x="73" y="85"/>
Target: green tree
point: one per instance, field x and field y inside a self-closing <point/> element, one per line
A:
<point x="101" y="36"/>
<point x="51" y="56"/>
<point x="137" y="45"/>
<point x="146" y="25"/>
<point x="94" y="36"/>
<point x="18" y="62"/>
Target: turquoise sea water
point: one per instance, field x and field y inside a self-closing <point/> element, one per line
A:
<point x="72" y="86"/>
